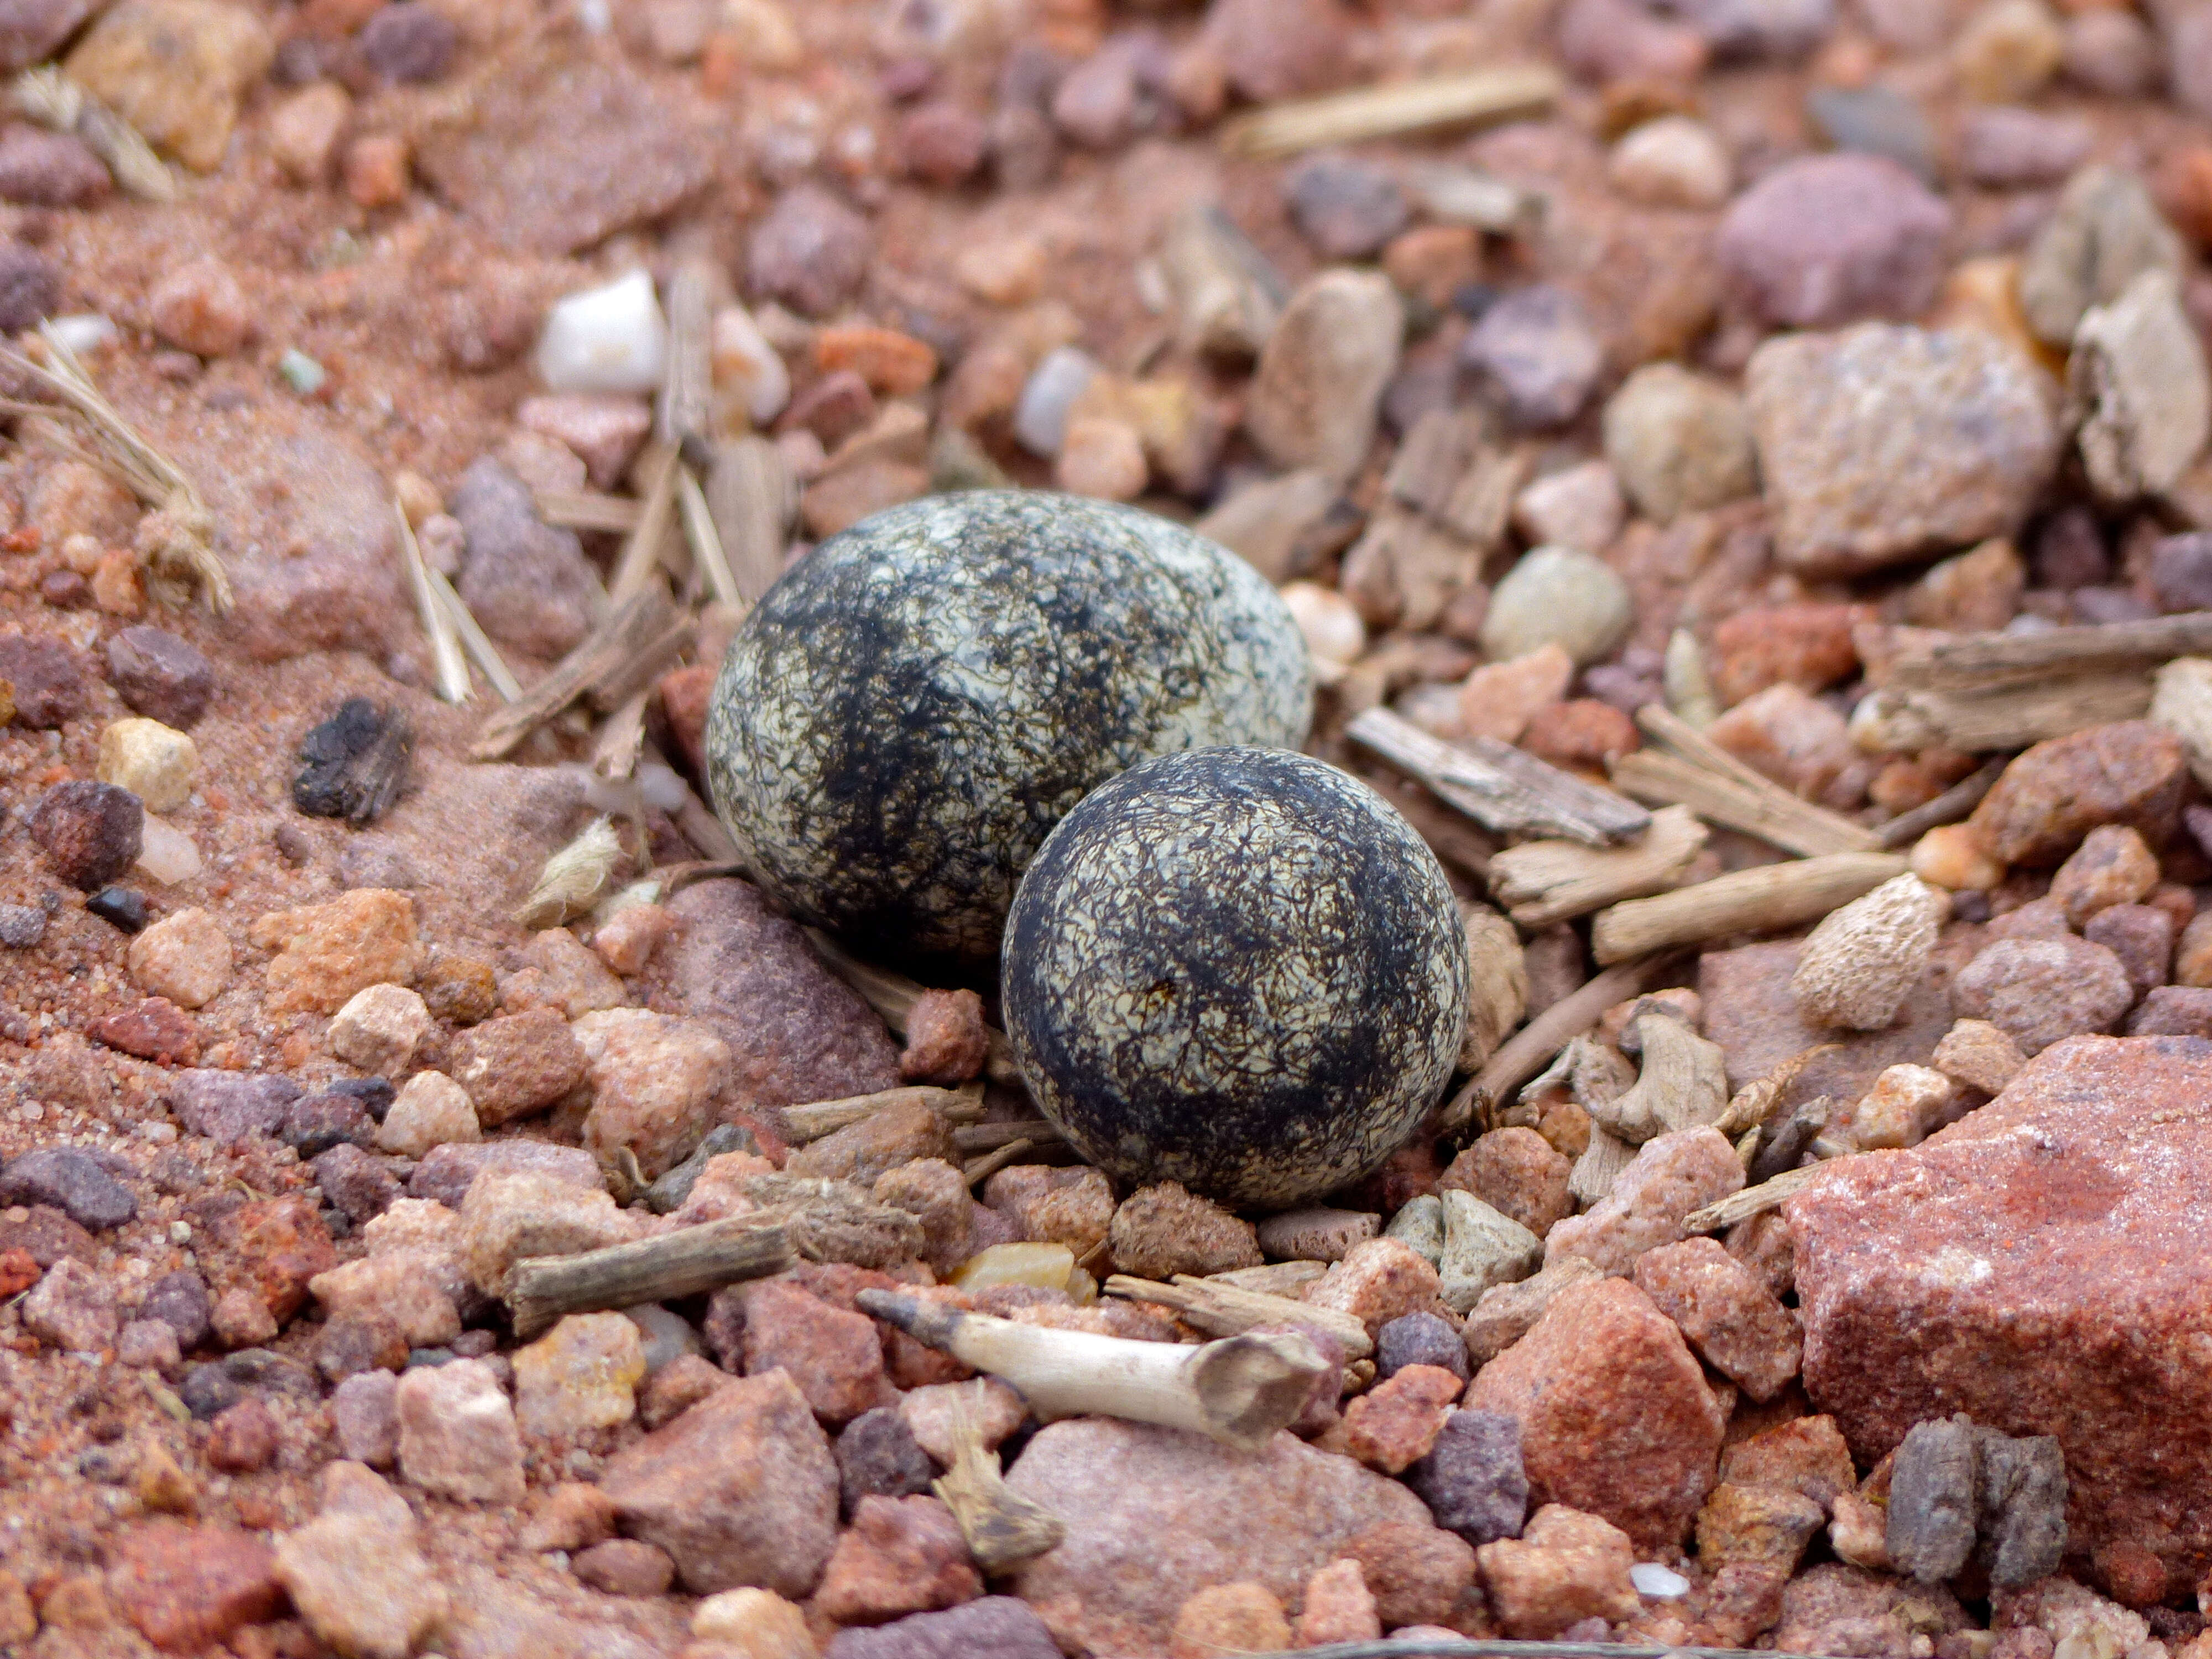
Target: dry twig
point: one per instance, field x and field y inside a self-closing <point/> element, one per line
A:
<point x="1239" y="1391"/>
<point x="482" y="651"/>
<point x="1407" y="107"/>
<point x="1765" y="899"/>
<point x="587" y="509"/>
<point x="1543" y="882"/>
<point x="175" y="543"/>
<point x="1953" y="805"/>
<point x="1695" y="772"/>
<point x="1223" y="1309"/>
<point x="676" y="1264"/>
<point x="1002" y="1528"/>
<point x="1524" y="1054"/>
<point x="751" y="498"/>
<point x="49" y="97"/>
<point x="1506" y="790"/>
<point x="1755" y="1200"/>
<point x="818" y="1118"/>
<point x="451" y="668"/>
<point x="1982" y="662"/>
<point x="624" y="655"/>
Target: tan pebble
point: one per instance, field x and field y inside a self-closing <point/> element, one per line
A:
<point x="1905" y="1104"/>
<point x="184" y="957"/>
<point x="1980" y="1055"/>
<point x="1952" y="856"/>
<point x="1862" y="961"/>
<point x="756" y="1623"/>
<point x="152" y="762"/>
<point x="431" y="1110"/>
<point x="304" y="130"/>
<point x="1242" y="1618"/>
<point x="1498" y="699"/>
<point x="376" y="170"/>
<point x="626" y="940"/>
<point x="1102" y="458"/>
<point x="116" y="587"/>
<point x="380" y="1029"/>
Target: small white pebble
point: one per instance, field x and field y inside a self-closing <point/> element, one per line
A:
<point x="1654" y="1580"/>
<point x="84" y="331"/>
<point x="167" y="854"/>
<point x="609" y="338"/>
<point x="180" y="1233"/>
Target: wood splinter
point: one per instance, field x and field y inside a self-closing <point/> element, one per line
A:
<point x="818" y="1118"/>
<point x="1003" y="1528"/>
<point x="1240" y="1391"/>
<point x="1543" y="882"/>
<point x="1222" y="1309"/>
<point x="682" y="1263"/>
<point x="1765" y="899"/>
<point x="1507" y="791"/>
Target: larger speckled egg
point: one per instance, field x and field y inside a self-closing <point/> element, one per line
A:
<point x="908" y="712"/>
<point x="1239" y="968"/>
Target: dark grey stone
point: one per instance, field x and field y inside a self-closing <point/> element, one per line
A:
<point x="994" y="1627"/>
<point x="1473" y="1479"/>
<point x="73" y="1182"/>
<point x="878" y="1457"/>
<point x="230" y="1107"/>
<point x="180" y="1301"/>
<point x="1933" y="1487"/>
<point x="1420" y="1339"/>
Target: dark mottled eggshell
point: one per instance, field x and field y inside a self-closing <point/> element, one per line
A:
<point x="912" y="708"/>
<point x="1239" y="968"/>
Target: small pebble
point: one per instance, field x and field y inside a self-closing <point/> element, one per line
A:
<point x="607" y="339"/>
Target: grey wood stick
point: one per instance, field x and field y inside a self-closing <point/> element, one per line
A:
<point x="681" y="1263"/>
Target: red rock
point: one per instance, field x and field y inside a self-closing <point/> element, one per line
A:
<point x="18" y="1272"/>
<point x="1924" y="1293"/>
<point x="154" y="1028"/>
<point x="741" y="1489"/>
<point x="1807" y="1456"/>
<point x="1273" y="49"/>
<point x="90" y="832"/>
<point x="684" y="696"/>
<point x="1223" y="1618"/>
<point x="516" y="1064"/>
<point x="1155" y="1515"/>
<point x="187" y="1588"/>
<point x="1566" y="1567"/>
<point x="1161" y="1230"/>
<point x="1582" y="734"/>
<point x="796" y="1032"/>
<point x="834" y="1356"/>
<point x="562" y="151"/>
<point x="942" y="143"/>
<point x="1730" y="1318"/>
<point x="2037" y="991"/>
<point x="1835" y="1608"/>
<point x="1393" y="1425"/>
<point x="1377" y="1280"/>
<point x="1807" y="646"/>
<point x="242" y="1438"/>
<point x="901" y="1555"/>
<point x="1339" y="1607"/>
<point x="1516" y="1172"/>
<point x="947" y="1041"/>
<point x="1417" y="1573"/>
<point x="2129" y="772"/>
<point x="1615" y="1415"/>
<point x="1750" y="1012"/>
<point x="272" y="1247"/>
<point x="624" y="1566"/>
<point x="1670" y="1176"/>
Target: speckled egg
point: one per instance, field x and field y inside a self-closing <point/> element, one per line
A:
<point x="908" y="712"/>
<point x="1239" y="968"/>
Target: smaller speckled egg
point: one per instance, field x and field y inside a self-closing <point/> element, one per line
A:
<point x="1239" y="968"/>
